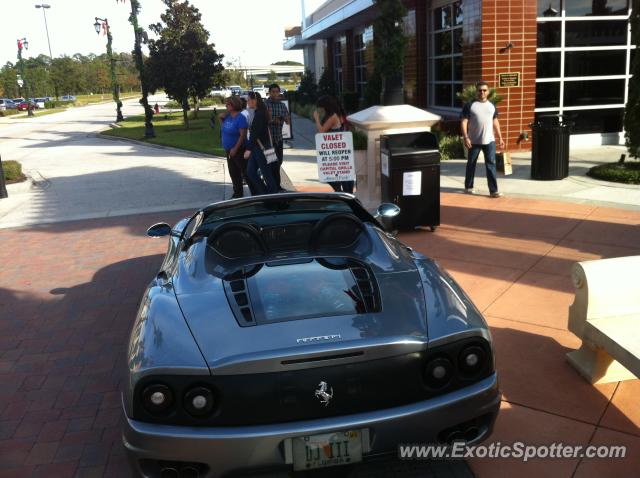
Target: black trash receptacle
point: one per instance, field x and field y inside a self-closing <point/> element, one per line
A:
<point x="410" y="178"/>
<point x="550" y="147"/>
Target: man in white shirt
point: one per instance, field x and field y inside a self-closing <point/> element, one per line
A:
<point x="479" y="121"/>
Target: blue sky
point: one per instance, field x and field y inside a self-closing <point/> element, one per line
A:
<point x="250" y="30"/>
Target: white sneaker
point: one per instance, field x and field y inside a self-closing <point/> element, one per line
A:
<point x="496" y="194"/>
<point x="469" y="191"/>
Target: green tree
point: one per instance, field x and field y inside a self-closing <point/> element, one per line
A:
<point x="390" y="45"/>
<point x="632" y="109"/>
<point x="182" y="61"/>
<point x="287" y="63"/>
<point x="8" y="80"/>
<point x="326" y="84"/>
<point x="272" y="78"/>
<point x="308" y="91"/>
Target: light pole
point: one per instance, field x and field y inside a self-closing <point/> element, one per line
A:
<point x="23" y="43"/>
<point x="102" y="24"/>
<point x="44" y="7"/>
<point x="140" y="34"/>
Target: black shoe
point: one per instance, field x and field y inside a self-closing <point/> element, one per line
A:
<point x="237" y="196"/>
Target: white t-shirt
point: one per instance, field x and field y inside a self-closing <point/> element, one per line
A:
<point x="480" y="115"/>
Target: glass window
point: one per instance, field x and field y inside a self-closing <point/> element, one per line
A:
<point x="282" y="292"/>
<point x="457" y="68"/>
<point x="457" y="88"/>
<point x="442" y="43"/>
<point x="548" y="64"/>
<point x="595" y="92"/>
<point x="596" y="121"/>
<point x="594" y="63"/>
<point x="549" y="34"/>
<point x="595" y="33"/>
<point x="442" y="18"/>
<point x="443" y="69"/>
<point x="442" y="95"/>
<point x="445" y="55"/>
<point x="549" y="8"/>
<point x="548" y="94"/>
<point x="592" y="8"/>
<point x="458" y="16"/>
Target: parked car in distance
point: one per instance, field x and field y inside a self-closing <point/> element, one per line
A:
<point x="24" y="105"/>
<point x="40" y="102"/>
<point x="18" y="100"/>
<point x="67" y="98"/>
<point x="7" y="104"/>
<point x="235" y="89"/>
<point x="264" y="92"/>
<point x="220" y="92"/>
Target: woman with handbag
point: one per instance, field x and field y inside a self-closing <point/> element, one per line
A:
<point x="260" y="150"/>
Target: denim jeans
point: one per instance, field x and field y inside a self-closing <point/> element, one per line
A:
<point x="275" y="167"/>
<point x="489" y="151"/>
<point x="258" y="161"/>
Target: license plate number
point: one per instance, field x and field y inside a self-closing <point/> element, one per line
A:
<point x="328" y="449"/>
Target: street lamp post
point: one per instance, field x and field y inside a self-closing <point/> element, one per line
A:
<point x="23" y="43"/>
<point x="44" y="7"/>
<point x="103" y="24"/>
<point x="139" y="35"/>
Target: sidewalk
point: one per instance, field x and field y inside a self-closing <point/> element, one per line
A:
<point x="300" y="165"/>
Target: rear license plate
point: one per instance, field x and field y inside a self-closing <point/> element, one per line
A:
<point x="328" y="449"/>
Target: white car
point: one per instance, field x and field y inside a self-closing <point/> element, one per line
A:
<point x="264" y="92"/>
<point x="220" y="92"/>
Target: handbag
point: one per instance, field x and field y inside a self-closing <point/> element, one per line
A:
<point x="269" y="154"/>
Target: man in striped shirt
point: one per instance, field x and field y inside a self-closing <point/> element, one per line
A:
<point x="279" y="115"/>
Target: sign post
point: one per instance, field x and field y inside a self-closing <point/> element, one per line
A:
<point x="334" y="152"/>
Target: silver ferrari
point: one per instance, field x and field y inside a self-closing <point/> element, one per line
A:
<point x="293" y="332"/>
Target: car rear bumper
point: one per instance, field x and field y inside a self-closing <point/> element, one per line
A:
<point x="225" y="450"/>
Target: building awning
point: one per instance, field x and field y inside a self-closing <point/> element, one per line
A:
<point x="354" y="14"/>
<point x="296" y="43"/>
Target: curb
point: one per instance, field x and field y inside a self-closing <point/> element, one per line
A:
<point x="22" y="187"/>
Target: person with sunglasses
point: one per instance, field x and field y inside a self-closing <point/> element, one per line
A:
<point x="479" y="122"/>
<point x="259" y="140"/>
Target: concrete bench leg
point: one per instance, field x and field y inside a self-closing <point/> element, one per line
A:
<point x="597" y="366"/>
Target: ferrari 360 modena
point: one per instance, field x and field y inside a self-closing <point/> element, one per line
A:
<point x="293" y="332"/>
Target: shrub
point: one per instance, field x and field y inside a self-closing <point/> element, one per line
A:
<point x="12" y="170"/>
<point x="326" y="84"/>
<point x="57" y="104"/>
<point x="308" y="90"/>
<point x="350" y="101"/>
<point x="8" y="112"/>
<point x="451" y="147"/>
<point x="627" y="172"/>
<point x="359" y="139"/>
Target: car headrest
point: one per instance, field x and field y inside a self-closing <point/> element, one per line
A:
<point x="237" y="240"/>
<point x="337" y="230"/>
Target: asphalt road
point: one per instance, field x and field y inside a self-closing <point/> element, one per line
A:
<point x="81" y="175"/>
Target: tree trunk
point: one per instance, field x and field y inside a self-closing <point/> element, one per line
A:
<point x="185" y="117"/>
<point x="196" y="107"/>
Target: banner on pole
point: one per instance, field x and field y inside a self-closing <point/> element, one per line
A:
<point x="334" y="152"/>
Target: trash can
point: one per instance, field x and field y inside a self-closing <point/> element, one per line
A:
<point x="550" y="147"/>
<point x="410" y="178"/>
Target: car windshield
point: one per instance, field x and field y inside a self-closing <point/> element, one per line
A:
<point x="277" y="206"/>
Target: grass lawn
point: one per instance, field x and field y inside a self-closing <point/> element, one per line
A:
<point x="171" y="131"/>
<point x="40" y="112"/>
<point x="82" y="100"/>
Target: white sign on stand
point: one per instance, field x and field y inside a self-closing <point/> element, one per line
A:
<point x="334" y="152"/>
<point x="412" y="183"/>
<point x="384" y="164"/>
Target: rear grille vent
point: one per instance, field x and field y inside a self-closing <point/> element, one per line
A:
<point x="368" y="288"/>
<point x="241" y="305"/>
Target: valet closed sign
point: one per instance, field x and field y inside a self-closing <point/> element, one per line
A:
<point x="334" y="152"/>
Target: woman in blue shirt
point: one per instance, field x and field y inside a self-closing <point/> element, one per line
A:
<point x="234" y="133"/>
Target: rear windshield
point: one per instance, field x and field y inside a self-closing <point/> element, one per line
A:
<point x="309" y="289"/>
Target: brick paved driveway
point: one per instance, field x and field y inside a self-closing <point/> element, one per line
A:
<point x="69" y="292"/>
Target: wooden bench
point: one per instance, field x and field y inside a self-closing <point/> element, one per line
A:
<point x="606" y="316"/>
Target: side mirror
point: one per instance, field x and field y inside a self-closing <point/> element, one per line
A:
<point x="385" y="214"/>
<point x="159" y="230"/>
<point x="388" y="210"/>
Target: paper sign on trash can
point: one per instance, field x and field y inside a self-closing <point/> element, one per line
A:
<point x="334" y="152"/>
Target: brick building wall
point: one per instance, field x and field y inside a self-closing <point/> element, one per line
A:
<point x="489" y="25"/>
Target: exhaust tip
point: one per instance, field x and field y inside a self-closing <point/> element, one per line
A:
<point x="168" y="472"/>
<point x="456" y="435"/>
<point x="471" y="433"/>
<point x="189" y="472"/>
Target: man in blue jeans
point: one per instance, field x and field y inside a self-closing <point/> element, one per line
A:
<point x="479" y="121"/>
